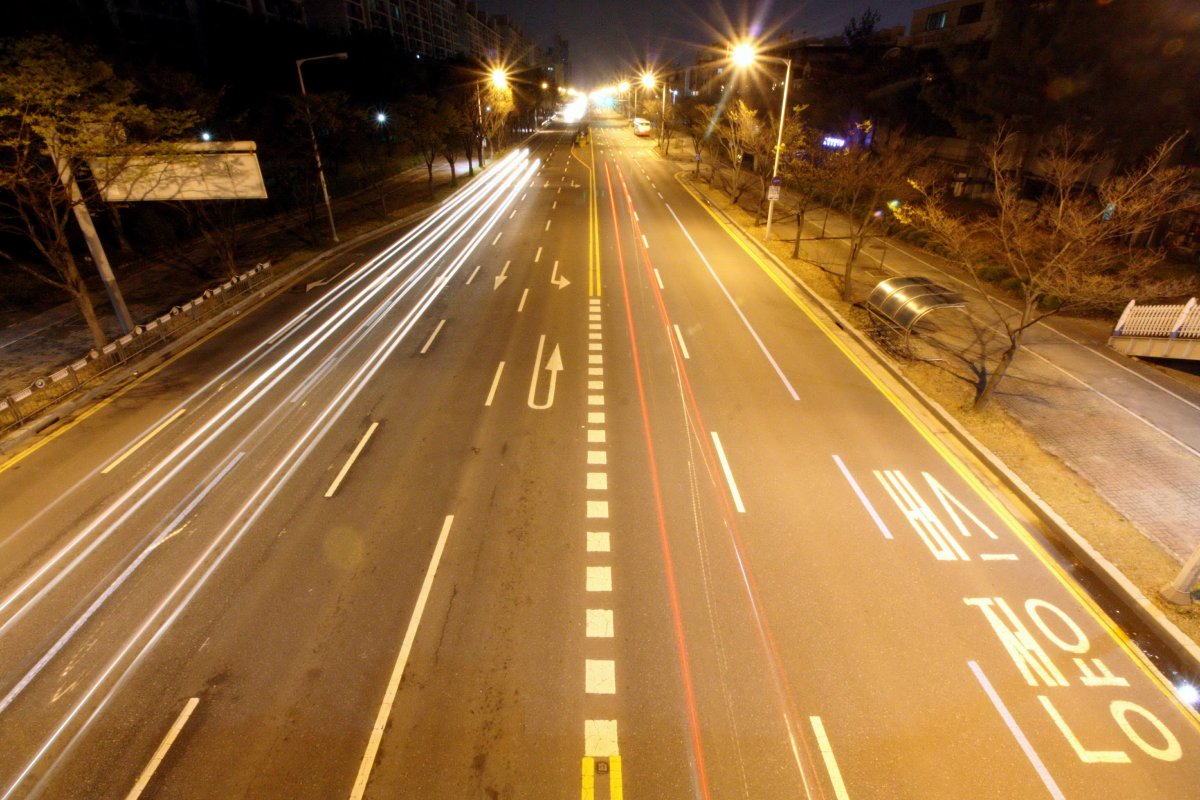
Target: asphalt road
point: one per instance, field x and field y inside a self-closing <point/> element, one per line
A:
<point x="564" y="494"/>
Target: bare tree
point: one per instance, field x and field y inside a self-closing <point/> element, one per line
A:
<point x="58" y="105"/>
<point x="804" y="170"/>
<point x="861" y="178"/>
<point x="426" y="131"/>
<point x="737" y="130"/>
<point x="1076" y="247"/>
<point x="697" y="119"/>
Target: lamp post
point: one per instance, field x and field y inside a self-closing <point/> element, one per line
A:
<point x="647" y="83"/>
<point x="499" y="79"/>
<point x="743" y="56"/>
<point x="313" y="135"/>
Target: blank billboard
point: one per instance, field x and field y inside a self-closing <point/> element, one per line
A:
<point x="191" y="171"/>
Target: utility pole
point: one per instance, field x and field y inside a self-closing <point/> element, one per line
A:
<point x="95" y="247"/>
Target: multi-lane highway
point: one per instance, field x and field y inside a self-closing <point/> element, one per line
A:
<point x="565" y="493"/>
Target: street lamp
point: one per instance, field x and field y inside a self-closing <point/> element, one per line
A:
<point x="313" y="134"/>
<point x="647" y="83"/>
<point x="743" y="55"/>
<point x="499" y="78"/>
<point x="624" y="87"/>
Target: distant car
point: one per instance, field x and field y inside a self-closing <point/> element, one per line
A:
<point x="641" y="127"/>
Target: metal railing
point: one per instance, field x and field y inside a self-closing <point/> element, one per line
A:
<point x="21" y="407"/>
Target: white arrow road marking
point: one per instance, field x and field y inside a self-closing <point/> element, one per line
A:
<point x="502" y="277"/>
<point x="559" y="280"/>
<point x="326" y="281"/>
<point x="554" y="366"/>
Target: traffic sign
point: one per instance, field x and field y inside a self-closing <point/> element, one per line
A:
<point x="773" y="193"/>
<point x="777" y="181"/>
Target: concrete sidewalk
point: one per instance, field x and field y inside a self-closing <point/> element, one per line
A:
<point x="1129" y="430"/>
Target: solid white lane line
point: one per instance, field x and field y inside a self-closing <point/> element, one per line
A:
<point x="597" y="542"/>
<point x="498" y="235"/>
<point x="473" y="274"/>
<point x="600" y="676"/>
<point x="495" y="383"/>
<point x="835" y="774"/>
<point x="682" y="347"/>
<point x="599" y="623"/>
<point x="658" y="278"/>
<point x="599" y="579"/>
<point x="333" y="487"/>
<point x="887" y="534"/>
<point x="432" y="336"/>
<point x="597" y="481"/>
<point x="1017" y="733"/>
<point x="521" y="306"/>
<point x="389" y="696"/>
<point x="736" y="307"/>
<point x="737" y="496"/>
<point x="538" y="257"/>
<point x="116" y="462"/>
<point x="161" y="752"/>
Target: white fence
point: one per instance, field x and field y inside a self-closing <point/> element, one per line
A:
<point x="1159" y="331"/>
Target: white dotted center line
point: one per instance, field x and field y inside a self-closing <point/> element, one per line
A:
<point x="600" y="674"/>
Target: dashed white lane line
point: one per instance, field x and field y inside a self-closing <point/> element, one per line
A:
<point x="658" y="278"/>
<point x="645" y="242"/>
<point x="521" y="305"/>
<point x="473" y="274"/>
<point x="495" y="382"/>
<point x="594" y="335"/>
<point x="547" y="225"/>
<point x="599" y="579"/>
<point x="599" y="623"/>
<point x="599" y="371"/>
<point x="600" y="676"/>
<point x="389" y="696"/>
<point x="597" y="481"/>
<point x="173" y="734"/>
<point x="600" y="738"/>
<point x="333" y="487"/>
<point x="538" y="257"/>
<point x="737" y="496"/>
<point x="682" y="347"/>
<point x="513" y="214"/>
<point x="595" y="399"/>
<point x="498" y="235"/>
<point x="862" y="497"/>
<point x="597" y="457"/>
<point x="595" y="345"/>
<point x="660" y="197"/>
<point x="595" y="417"/>
<point x="1031" y="754"/>
<point x="835" y="774"/>
<point x="554" y="206"/>
<point x="598" y="542"/>
<point x="432" y="336"/>
<point x="596" y="436"/>
<point x="597" y="509"/>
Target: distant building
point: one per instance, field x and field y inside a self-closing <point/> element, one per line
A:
<point x="955" y="22"/>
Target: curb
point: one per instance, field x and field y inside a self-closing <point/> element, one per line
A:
<point x="1179" y="643"/>
<point x="282" y="283"/>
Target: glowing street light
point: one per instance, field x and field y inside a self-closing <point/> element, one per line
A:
<point x="205" y="136"/>
<point x="380" y="117"/>
<point x="499" y="78"/>
<point x="744" y="55"/>
<point x="648" y="80"/>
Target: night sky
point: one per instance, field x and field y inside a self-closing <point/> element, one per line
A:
<point x="607" y="36"/>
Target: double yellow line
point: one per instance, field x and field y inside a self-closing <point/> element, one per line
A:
<point x="594" y="285"/>
<point x="615" y="789"/>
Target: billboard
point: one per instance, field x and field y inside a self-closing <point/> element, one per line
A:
<point x="187" y="171"/>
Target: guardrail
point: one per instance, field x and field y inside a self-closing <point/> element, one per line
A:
<point x="20" y="407"/>
<point x="1158" y="331"/>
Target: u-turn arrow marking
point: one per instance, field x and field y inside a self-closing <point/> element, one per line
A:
<point x="554" y="365"/>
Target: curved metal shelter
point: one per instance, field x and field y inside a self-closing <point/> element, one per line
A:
<point x="901" y="303"/>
